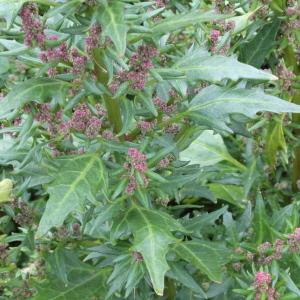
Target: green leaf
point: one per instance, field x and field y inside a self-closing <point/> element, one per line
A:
<point x="4" y="65"/>
<point x="9" y="11"/>
<point x="255" y="52"/>
<point x="111" y="18"/>
<point x="152" y="236"/>
<point x="32" y="89"/>
<point x="200" y="222"/>
<point x="215" y="104"/>
<point x="13" y="48"/>
<point x="104" y="213"/>
<point x="198" y="64"/>
<point x="231" y="228"/>
<point x="6" y="186"/>
<point x="290" y="284"/>
<point x="127" y="109"/>
<point x="179" y="273"/>
<point x="77" y="179"/>
<point x="208" y="149"/>
<point x="208" y="257"/>
<point x="183" y="20"/>
<point x="275" y="141"/>
<point x="84" y="282"/>
<point x="231" y="193"/>
<point x="260" y="221"/>
<point x="66" y="8"/>
<point x="45" y="2"/>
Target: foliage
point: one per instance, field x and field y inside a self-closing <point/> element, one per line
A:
<point x="149" y="149"/>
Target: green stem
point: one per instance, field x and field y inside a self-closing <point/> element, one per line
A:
<point x="291" y="61"/>
<point x="296" y="162"/>
<point x="112" y="105"/>
<point x="171" y="289"/>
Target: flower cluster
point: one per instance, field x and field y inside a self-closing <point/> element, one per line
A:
<point x="164" y="163"/>
<point x="62" y="53"/>
<point x="31" y="25"/>
<point x="92" y="40"/>
<point x="137" y="162"/>
<point x="23" y="213"/>
<point x="140" y="63"/>
<point x="223" y="7"/>
<point x="3" y="251"/>
<point x="23" y="292"/>
<point x="286" y="76"/>
<point x="294" y="241"/>
<point x="164" y="106"/>
<point x="59" y="53"/>
<point x="79" y="61"/>
<point x="221" y="27"/>
<point x="293" y="11"/>
<point x="214" y="37"/>
<point x="82" y="120"/>
<point x="146" y="126"/>
<point x="137" y="256"/>
<point x="161" y="3"/>
<point x="262" y="286"/>
<point x="269" y="252"/>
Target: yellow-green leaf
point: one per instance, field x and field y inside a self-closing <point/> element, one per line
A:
<point x="6" y="187"/>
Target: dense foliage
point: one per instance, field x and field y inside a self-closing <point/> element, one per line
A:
<point x="149" y="149"/>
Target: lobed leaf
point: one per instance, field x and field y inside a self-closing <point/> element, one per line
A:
<point x="32" y="90"/>
<point x="77" y="179"/>
<point x="214" y="104"/>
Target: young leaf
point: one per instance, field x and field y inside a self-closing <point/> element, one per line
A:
<point x="228" y="192"/>
<point x="78" y="178"/>
<point x="208" y="149"/>
<point x="6" y="187"/>
<point x="111" y="18"/>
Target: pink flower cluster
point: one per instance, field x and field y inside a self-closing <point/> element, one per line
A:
<point x="163" y="163"/>
<point x="269" y="252"/>
<point x="92" y="41"/>
<point x="164" y="107"/>
<point x="161" y="3"/>
<point x="293" y="11"/>
<point x="262" y="286"/>
<point x="79" y="61"/>
<point x="146" y="126"/>
<point x="140" y="63"/>
<point x="294" y="241"/>
<point x="286" y="76"/>
<point x="137" y="161"/>
<point x="31" y="25"/>
<point x="61" y="53"/>
<point x="216" y="33"/>
<point x="81" y="121"/>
